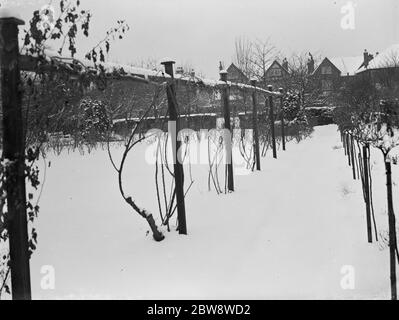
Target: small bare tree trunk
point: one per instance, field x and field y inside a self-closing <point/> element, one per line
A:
<point x="367" y="192"/>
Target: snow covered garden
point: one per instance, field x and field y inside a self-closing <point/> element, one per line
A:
<point x="289" y="231"/>
<point x="120" y="181"/>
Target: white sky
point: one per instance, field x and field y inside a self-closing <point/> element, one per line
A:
<point x="202" y="32"/>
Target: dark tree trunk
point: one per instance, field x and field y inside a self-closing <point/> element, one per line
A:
<point x="367" y="192"/>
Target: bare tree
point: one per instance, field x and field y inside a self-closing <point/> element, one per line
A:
<point x="254" y="57"/>
<point x="301" y="80"/>
<point x="263" y="54"/>
<point x="243" y="55"/>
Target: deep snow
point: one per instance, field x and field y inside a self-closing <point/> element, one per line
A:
<point x="285" y="233"/>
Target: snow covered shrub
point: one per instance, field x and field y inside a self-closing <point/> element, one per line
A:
<point x="95" y="123"/>
<point x="293" y="111"/>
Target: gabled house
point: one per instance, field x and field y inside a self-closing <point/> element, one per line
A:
<point x="383" y="70"/>
<point x="327" y="77"/>
<point x="235" y="74"/>
<point x="277" y="73"/>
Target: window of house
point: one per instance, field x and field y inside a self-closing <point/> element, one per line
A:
<point x="326" y="70"/>
<point x="326" y="85"/>
<point x="275" y="72"/>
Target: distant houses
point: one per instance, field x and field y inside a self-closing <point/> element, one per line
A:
<point x="332" y="73"/>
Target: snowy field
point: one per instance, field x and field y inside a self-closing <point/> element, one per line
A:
<point x="286" y="232"/>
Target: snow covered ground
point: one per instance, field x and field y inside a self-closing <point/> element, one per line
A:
<point x="286" y="232"/>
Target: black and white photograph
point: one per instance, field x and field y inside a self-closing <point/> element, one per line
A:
<point x="217" y="151"/>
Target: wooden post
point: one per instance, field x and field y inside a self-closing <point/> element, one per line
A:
<point x="271" y="116"/>
<point x="282" y="118"/>
<point x="228" y="141"/>
<point x="255" y="126"/>
<point x="173" y="129"/>
<point x="14" y="150"/>
<point x="392" y="229"/>
<point x="353" y="157"/>
<point x="367" y="192"/>
<point x="348" y="148"/>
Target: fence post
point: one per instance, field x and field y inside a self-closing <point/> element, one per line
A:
<point x="367" y="192"/>
<point x="281" y="90"/>
<point x="392" y="229"/>
<point x="348" y="148"/>
<point x="173" y="129"/>
<point x="255" y="126"/>
<point x="14" y="150"/>
<point x="271" y="116"/>
<point x="228" y="140"/>
<point x="353" y="157"/>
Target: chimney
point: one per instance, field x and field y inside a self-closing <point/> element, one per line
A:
<point x="365" y="58"/>
<point x="220" y="66"/>
<point x="285" y="64"/>
<point x="310" y="64"/>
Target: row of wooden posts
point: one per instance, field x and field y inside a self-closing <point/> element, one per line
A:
<point x="225" y="94"/>
<point x="14" y="150"/>
<point x="360" y="164"/>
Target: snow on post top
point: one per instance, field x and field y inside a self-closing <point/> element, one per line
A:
<point x="167" y="60"/>
<point x="223" y="71"/>
<point x="11" y="13"/>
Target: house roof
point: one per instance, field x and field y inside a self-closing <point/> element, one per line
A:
<point x="347" y="65"/>
<point x="233" y="66"/>
<point x="387" y="58"/>
<point x="279" y="64"/>
<point x="325" y="60"/>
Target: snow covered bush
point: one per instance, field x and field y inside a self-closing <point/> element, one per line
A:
<point x="293" y="111"/>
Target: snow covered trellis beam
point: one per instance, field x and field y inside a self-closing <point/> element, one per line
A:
<point x="271" y="119"/>
<point x="51" y="61"/>
<point x="255" y="131"/>
<point x="227" y="126"/>
<point x="173" y="129"/>
<point x="14" y="152"/>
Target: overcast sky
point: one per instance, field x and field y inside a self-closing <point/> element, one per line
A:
<point x="202" y="32"/>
